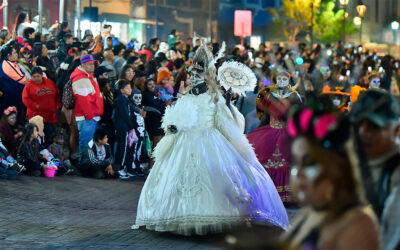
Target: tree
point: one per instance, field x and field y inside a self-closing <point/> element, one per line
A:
<point x="330" y="25"/>
<point x="297" y="15"/>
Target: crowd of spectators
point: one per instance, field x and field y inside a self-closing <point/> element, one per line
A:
<point x="94" y="107"/>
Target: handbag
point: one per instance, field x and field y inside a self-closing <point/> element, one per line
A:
<point x="147" y="145"/>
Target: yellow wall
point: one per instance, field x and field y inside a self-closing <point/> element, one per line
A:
<point x="120" y="7"/>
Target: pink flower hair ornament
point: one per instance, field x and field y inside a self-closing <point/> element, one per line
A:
<point x="324" y="125"/>
<point x="291" y="127"/>
<point x="305" y="118"/>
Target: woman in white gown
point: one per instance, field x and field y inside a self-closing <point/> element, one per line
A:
<point x="206" y="177"/>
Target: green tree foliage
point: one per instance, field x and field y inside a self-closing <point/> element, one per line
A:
<point x="330" y="25"/>
<point x="299" y="15"/>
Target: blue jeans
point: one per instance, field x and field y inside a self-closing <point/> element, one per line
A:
<point x="86" y="130"/>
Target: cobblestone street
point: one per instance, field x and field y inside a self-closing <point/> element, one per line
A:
<point x="80" y="213"/>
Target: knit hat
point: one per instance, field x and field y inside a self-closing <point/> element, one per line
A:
<point x="163" y="73"/>
<point x="38" y="121"/>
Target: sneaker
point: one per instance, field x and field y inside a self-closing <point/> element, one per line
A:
<point x="122" y="174"/>
<point x="131" y="174"/>
<point x="139" y="172"/>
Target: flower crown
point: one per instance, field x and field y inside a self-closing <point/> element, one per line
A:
<point x="330" y="130"/>
<point x="26" y="48"/>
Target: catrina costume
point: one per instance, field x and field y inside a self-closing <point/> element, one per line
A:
<point x="206" y="177"/>
<point x="271" y="142"/>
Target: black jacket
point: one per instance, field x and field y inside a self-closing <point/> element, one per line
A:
<point x="153" y="120"/>
<point x="62" y="51"/>
<point x="123" y="114"/>
<point x="30" y="154"/>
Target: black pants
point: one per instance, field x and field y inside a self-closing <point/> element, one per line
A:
<point x="98" y="171"/>
<point x="128" y="157"/>
<point x="49" y="131"/>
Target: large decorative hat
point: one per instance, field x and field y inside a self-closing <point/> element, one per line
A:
<point x="236" y="76"/>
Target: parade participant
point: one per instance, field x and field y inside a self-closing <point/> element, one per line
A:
<point x="271" y="142"/>
<point x="206" y="178"/>
<point x="327" y="181"/>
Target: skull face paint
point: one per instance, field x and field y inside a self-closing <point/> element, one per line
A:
<point x="375" y="82"/>
<point x="282" y="80"/>
<point x="336" y="102"/>
<point x="137" y="98"/>
<point x="195" y="78"/>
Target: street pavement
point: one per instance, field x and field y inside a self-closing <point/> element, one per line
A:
<point x="71" y="212"/>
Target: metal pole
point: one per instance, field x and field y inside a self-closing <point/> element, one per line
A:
<point x="156" y="25"/>
<point x="209" y="21"/>
<point x="40" y="9"/>
<point x="5" y="12"/>
<point x="312" y="25"/>
<point x="61" y="11"/>
<point x="361" y="31"/>
<point x="78" y="18"/>
<point x="344" y="23"/>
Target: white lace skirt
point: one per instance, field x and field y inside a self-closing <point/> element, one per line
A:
<point x="203" y="185"/>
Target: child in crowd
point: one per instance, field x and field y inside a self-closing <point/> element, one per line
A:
<point x="57" y="150"/>
<point x="126" y="125"/>
<point x="97" y="159"/>
<point x="9" y="168"/>
<point x="29" y="151"/>
<point x="164" y="88"/>
<point x="140" y="159"/>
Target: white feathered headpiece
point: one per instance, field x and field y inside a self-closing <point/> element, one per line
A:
<point x="236" y="76"/>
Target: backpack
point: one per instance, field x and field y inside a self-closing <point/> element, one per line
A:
<point x="68" y="99"/>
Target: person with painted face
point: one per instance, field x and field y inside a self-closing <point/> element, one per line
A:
<point x="139" y="158"/>
<point x="106" y="122"/>
<point x="25" y="61"/>
<point x="206" y="177"/>
<point x="327" y="181"/>
<point x="8" y="133"/>
<point x="271" y="142"/>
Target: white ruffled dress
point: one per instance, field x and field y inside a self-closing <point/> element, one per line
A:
<point x="206" y="177"/>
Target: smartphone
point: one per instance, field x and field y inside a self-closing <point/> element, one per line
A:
<point x="348" y="72"/>
<point x="369" y="69"/>
<point x="396" y="64"/>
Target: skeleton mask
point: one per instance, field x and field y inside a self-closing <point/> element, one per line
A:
<point x="195" y="78"/>
<point x="336" y="102"/>
<point x="375" y="82"/>
<point x="282" y="80"/>
<point x="137" y="98"/>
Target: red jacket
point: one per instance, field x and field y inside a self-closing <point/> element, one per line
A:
<point x="89" y="101"/>
<point x="42" y="99"/>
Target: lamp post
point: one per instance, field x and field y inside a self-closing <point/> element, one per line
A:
<point x="395" y="27"/>
<point x="361" y="9"/>
<point x="344" y="4"/>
